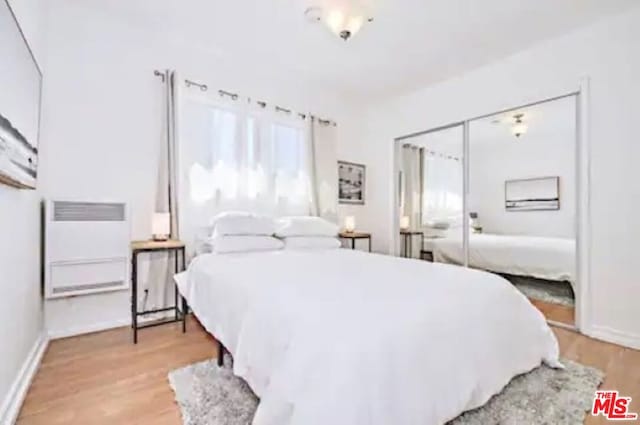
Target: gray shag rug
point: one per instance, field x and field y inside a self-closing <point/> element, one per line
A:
<point x="543" y="290"/>
<point x="209" y="395"/>
<point x="539" y="294"/>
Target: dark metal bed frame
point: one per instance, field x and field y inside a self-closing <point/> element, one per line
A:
<point x="221" y="348"/>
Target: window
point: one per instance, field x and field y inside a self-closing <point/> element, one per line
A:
<point x="254" y="159"/>
<point x="292" y="185"/>
<point x="442" y="193"/>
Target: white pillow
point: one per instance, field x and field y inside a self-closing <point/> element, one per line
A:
<point x="242" y="224"/>
<point x="457" y="221"/>
<point x="305" y="226"/>
<point x="228" y="244"/>
<point x="226" y="214"/>
<point x="430" y="232"/>
<point x="438" y="224"/>
<point x="311" y="242"/>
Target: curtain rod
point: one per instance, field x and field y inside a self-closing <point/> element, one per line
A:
<point x="236" y="96"/>
<point x="202" y="87"/>
<point x="430" y="152"/>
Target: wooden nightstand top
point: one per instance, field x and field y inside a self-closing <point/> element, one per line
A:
<point x="354" y="235"/>
<point x="152" y="245"/>
<point x="411" y="232"/>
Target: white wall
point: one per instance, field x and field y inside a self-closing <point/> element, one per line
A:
<point x="350" y="150"/>
<point x="607" y="54"/>
<point x="547" y="149"/>
<point x="102" y="124"/>
<point x="20" y="303"/>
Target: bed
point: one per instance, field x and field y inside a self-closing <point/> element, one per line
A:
<point x="551" y="259"/>
<point x="345" y="337"/>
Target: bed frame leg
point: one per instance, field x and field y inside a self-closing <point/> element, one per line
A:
<point x="185" y="310"/>
<point x="220" y="354"/>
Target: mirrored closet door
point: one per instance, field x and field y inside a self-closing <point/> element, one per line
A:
<point x="498" y="193"/>
<point x="522" y="201"/>
<point x="431" y="194"/>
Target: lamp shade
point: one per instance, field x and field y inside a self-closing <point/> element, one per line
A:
<point x="161" y="226"/>
<point x="519" y="129"/>
<point x="346" y="20"/>
<point x="405" y="222"/>
<point x="349" y="223"/>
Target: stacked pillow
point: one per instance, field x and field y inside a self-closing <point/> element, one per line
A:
<point x="243" y="232"/>
<point x="243" y="224"/>
<point x="244" y="243"/>
<point x="247" y="232"/>
<point x="307" y="233"/>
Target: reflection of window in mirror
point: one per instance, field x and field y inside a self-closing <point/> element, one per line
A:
<point x="432" y="172"/>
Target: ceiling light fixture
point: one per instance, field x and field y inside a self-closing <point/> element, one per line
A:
<point x="519" y="128"/>
<point x="344" y="20"/>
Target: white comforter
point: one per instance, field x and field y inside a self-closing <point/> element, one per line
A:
<point x="539" y="257"/>
<point x="344" y="337"/>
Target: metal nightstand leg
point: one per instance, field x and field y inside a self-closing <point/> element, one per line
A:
<point x="176" y="300"/>
<point x="134" y="296"/>
<point x="185" y="305"/>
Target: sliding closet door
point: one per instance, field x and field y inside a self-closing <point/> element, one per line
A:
<point x="522" y="200"/>
<point x="431" y="201"/>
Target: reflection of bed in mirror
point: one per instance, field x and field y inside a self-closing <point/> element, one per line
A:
<point x="550" y="259"/>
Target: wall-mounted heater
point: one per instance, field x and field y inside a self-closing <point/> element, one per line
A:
<point x="86" y="247"/>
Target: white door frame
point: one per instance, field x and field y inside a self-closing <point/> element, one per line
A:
<point x="583" y="183"/>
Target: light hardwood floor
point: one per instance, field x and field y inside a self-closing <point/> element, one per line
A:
<point x="556" y="312"/>
<point x="103" y="378"/>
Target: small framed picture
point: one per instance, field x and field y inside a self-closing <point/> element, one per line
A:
<point x="351" y="183"/>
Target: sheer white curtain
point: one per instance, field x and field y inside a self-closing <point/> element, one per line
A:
<point x="412" y="190"/>
<point x="442" y="188"/>
<point x="156" y="270"/>
<point x="236" y="155"/>
<point x="323" y="137"/>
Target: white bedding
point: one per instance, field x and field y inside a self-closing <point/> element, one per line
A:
<point x="539" y="257"/>
<point x="344" y="337"/>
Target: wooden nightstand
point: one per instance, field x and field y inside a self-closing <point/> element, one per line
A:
<point x="137" y="247"/>
<point x="354" y="236"/>
<point x="426" y="255"/>
<point x="408" y="241"/>
<point x="426" y="250"/>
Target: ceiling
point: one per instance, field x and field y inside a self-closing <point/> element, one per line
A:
<point x="411" y="43"/>
<point x="549" y="123"/>
<point x="448" y="141"/>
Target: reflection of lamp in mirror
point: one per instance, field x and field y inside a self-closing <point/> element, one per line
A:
<point x="405" y="222"/>
<point x="474" y="223"/>
<point x="519" y="128"/>
<point x="161" y="226"/>
<point x="349" y="224"/>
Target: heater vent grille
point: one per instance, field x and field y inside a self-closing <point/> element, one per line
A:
<point x="93" y="287"/>
<point x="88" y="211"/>
<point x="86" y="247"/>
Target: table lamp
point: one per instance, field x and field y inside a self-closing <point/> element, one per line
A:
<point x="349" y="224"/>
<point x="161" y="226"/>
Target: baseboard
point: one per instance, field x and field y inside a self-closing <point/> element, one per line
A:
<point x="100" y="326"/>
<point x="562" y="325"/>
<point x="13" y="402"/>
<point x="614" y="336"/>
<point x="86" y="329"/>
